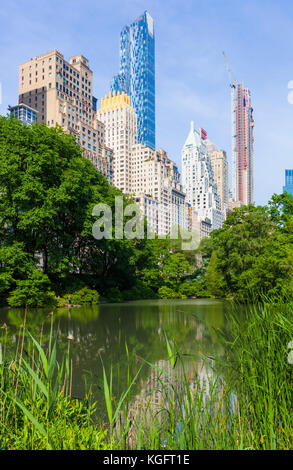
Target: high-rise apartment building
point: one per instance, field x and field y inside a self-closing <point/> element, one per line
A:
<point x="151" y="211"/>
<point x="198" y="180"/>
<point x="137" y="75"/>
<point x="288" y="182"/>
<point x="24" y="113"/>
<point x="120" y="124"/>
<point x="155" y="181"/>
<point x="233" y="204"/>
<point x="61" y="93"/>
<point x="219" y="162"/>
<point x="242" y="144"/>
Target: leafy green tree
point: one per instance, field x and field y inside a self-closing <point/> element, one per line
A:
<point x="33" y="291"/>
<point x="48" y="190"/>
<point x="214" y="279"/>
<point x="281" y="209"/>
<point x="166" y="265"/>
<point x="250" y="255"/>
<point x="193" y="288"/>
<point x="174" y="268"/>
<point x="166" y="293"/>
<point x="243" y="237"/>
<point x="15" y="264"/>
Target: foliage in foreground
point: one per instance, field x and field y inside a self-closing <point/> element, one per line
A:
<point x="188" y="402"/>
<point x="36" y="410"/>
<point x="245" y="402"/>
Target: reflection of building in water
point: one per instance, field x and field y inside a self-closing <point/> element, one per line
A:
<point x="165" y="386"/>
<point x="151" y="401"/>
<point x="201" y="377"/>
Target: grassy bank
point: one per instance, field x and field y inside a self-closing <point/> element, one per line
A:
<point x="188" y="402"/>
<point x="36" y="409"/>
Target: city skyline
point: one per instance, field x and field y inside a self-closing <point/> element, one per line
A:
<point x="207" y="101"/>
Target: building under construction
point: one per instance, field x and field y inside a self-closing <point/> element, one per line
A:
<point x="242" y="141"/>
<point x="242" y="144"/>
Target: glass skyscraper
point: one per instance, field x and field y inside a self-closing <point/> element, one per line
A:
<point x="137" y="75"/>
<point x="288" y="182"/>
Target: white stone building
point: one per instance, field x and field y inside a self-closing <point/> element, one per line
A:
<point x="120" y="123"/>
<point x="219" y="164"/>
<point x="154" y="175"/>
<point x="198" y="181"/>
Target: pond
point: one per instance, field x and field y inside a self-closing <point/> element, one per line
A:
<point x="125" y="336"/>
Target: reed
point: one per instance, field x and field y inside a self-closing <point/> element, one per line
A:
<point x="242" y="402"/>
<point x="188" y="402"/>
<point x="36" y="411"/>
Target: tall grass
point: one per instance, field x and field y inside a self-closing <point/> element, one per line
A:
<point x="261" y="375"/>
<point x="36" y="411"/>
<point x="242" y="402"/>
<point x="188" y="402"/>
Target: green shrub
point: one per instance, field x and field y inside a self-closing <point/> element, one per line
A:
<point x="5" y="282"/>
<point x="61" y="302"/>
<point x="33" y="292"/>
<point x="193" y="289"/>
<point x="84" y="296"/>
<point x="138" y="292"/>
<point x="167" y="293"/>
<point x="114" y="295"/>
<point x="187" y="289"/>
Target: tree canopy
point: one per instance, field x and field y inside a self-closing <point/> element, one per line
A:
<point x="48" y="190"/>
<point x="47" y="193"/>
<point x="251" y="255"/>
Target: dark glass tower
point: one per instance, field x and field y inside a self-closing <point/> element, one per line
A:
<point x="137" y="75"/>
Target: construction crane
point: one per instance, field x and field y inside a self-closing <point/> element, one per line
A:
<point x="232" y="82"/>
<point x="233" y="122"/>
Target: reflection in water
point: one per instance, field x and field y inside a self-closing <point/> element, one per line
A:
<point x="70" y="328"/>
<point x="104" y="330"/>
<point x="169" y="398"/>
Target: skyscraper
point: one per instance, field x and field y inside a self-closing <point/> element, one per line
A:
<point x="242" y="144"/>
<point x="119" y="119"/>
<point x="198" y="181"/>
<point x="137" y="75"/>
<point x="156" y="179"/>
<point x="288" y="182"/>
<point x="219" y="162"/>
<point x="60" y="92"/>
<point x="24" y="113"/>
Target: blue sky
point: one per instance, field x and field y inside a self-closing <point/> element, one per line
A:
<point x="191" y="78"/>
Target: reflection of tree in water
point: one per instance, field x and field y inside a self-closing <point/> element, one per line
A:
<point x="35" y="322"/>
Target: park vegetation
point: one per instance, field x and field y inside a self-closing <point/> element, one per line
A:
<point x="48" y="254"/>
<point x="242" y="402"/>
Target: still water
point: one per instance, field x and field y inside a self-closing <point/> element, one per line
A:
<point x="125" y="336"/>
